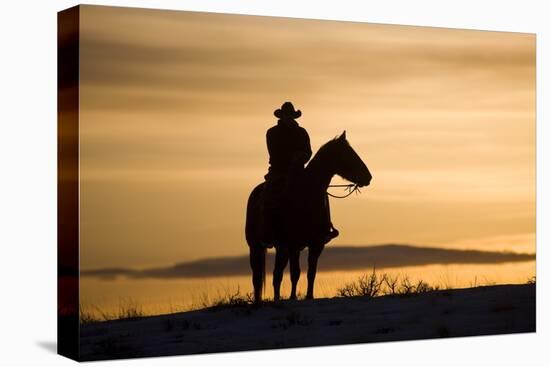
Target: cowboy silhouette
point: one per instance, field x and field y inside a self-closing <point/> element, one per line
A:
<point x="289" y="150"/>
<point x="287" y="143"/>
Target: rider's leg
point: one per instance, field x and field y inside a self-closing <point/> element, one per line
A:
<point x="267" y="236"/>
<point x="330" y="230"/>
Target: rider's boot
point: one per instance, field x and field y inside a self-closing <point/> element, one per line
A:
<point x="331" y="234"/>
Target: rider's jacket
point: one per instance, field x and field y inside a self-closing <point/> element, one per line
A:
<point x="289" y="148"/>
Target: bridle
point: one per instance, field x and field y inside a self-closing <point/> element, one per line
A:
<point x="349" y="187"/>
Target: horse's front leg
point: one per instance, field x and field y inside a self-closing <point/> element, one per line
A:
<point x="313" y="256"/>
<point x="294" y="270"/>
<point x="281" y="259"/>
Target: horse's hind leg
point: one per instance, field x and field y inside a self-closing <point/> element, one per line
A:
<point x="313" y="256"/>
<point x="257" y="263"/>
<point x="281" y="259"/>
<point x="294" y="256"/>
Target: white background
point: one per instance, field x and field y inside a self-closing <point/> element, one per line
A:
<point x="28" y="182"/>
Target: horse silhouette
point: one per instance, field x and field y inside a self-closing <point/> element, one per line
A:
<point x="303" y="222"/>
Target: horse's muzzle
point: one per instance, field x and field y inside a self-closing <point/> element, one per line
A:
<point x="364" y="183"/>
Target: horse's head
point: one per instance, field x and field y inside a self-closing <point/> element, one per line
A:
<point x="348" y="164"/>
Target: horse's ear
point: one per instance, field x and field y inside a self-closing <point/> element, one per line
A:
<point x="343" y="136"/>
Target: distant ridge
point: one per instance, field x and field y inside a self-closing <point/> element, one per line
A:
<point x="333" y="258"/>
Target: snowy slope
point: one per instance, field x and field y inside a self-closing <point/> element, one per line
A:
<point x="447" y="313"/>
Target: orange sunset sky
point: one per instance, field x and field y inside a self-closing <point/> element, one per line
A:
<point x="175" y="106"/>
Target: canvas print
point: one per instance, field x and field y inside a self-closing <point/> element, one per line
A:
<point x="236" y="183"/>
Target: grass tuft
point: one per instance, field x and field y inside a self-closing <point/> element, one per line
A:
<point x="129" y="309"/>
<point x="87" y="317"/>
<point x="374" y="285"/>
<point x="367" y="286"/>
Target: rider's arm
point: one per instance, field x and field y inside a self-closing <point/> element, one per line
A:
<point x="270" y="144"/>
<point x="307" y="146"/>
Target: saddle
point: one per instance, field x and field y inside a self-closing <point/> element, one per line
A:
<point x="289" y="213"/>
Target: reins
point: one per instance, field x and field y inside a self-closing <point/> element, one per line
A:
<point x="350" y="187"/>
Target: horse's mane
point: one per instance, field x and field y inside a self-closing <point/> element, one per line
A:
<point x="327" y="149"/>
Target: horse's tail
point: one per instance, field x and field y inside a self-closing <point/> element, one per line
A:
<point x="252" y="233"/>
<point x="253" y="216"/>
<point x="262" y="265"/>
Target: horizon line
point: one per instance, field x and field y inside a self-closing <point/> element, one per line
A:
<point x="340" y="258"/>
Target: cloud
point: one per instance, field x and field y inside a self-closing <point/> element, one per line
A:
<point x="178" y="59"/>
<point x="175" y="105"/>
<point x="333" y="259"/>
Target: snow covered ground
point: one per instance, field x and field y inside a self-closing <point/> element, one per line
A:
<point x="446" y="313"/>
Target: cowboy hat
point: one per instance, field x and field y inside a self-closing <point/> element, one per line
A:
<point x="287" y="110"/>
